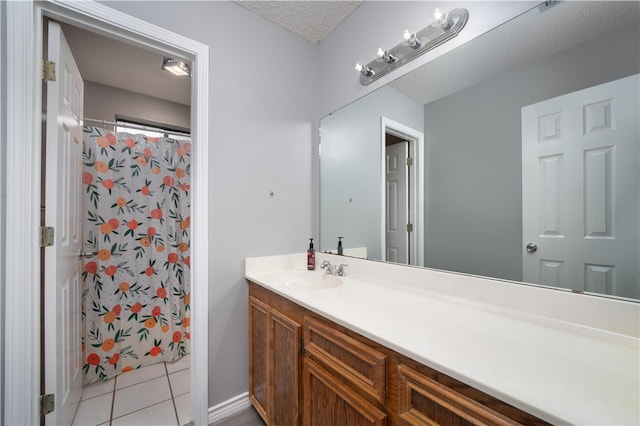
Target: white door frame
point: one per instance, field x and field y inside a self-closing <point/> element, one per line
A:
<point x="22" y="328"/>
<point x="416" y="179"/>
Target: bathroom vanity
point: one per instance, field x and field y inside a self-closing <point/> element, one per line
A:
<point x="389" y="344"/>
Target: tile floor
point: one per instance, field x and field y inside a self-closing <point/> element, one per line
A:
<point x="158" y="394"/>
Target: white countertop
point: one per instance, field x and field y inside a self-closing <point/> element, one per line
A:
<point x="545" y="354"/>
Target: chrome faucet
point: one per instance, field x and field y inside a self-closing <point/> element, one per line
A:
<point x="332" y="269"/>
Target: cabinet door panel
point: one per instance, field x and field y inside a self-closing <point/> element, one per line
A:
<point x="424" y="401"/>
<point x="329" y="402"/>
<point x="361" y="365"/>
<point x="285" y="368"/>
<point x="258" y="356"/>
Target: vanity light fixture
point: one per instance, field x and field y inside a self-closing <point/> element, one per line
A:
<point x="176" y="66"/>
<point x="445" y="27"/>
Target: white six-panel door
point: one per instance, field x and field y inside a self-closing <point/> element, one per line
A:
<point x="581" y="189"/>
<point x="63" y="210"/>
<point x="396" y="209"/>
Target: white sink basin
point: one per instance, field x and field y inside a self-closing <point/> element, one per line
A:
<point x="310" y="279"/>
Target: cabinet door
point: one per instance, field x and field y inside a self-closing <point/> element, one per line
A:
<point x="285" y="369"/>
<point x="329" y="402"/>
<point x="259" y="356"/>
<point x="423" y="401"/>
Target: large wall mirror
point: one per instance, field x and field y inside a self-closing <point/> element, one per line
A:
<point x="525" y="156"/>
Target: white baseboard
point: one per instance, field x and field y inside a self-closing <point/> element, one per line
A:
<point x="229" y="407"/>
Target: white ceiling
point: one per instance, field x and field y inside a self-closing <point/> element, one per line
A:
<point x="311" y="20"/>
<point x="113" y="63"/>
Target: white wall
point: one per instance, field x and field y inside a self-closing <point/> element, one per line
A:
<point x="262" y="131"/>
<point x="351" y="173"/>
<point x="378" y="24"/>
<point x="104" y="102"/>
<point x="473" y="221"/>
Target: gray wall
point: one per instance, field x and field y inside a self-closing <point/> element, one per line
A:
<point x="262" y="130"/>
<point x="350" y="173"/>
<point x="104" y="102"/>
<point x="473" y="154"/>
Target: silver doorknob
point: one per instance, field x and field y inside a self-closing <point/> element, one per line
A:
<point x="531" y="248"/>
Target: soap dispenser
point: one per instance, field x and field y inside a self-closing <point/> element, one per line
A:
<point x="311" y="256"/>
<point x="340" y="245"/>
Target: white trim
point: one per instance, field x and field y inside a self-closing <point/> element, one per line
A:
<point x="229" y="407"/>
<point x="22" y="274"/>
<point x="416" y="150"/>
<point x="22" y="309"/>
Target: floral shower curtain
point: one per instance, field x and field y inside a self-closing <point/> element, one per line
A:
<point x="136" y="287"/>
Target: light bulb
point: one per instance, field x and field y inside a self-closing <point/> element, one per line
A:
<point x="442" y="19"/>
<point x="413" y="39"/>
<point x="364" y="70"/>
<point x="386" y="56"/>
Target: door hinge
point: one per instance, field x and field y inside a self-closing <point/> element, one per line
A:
<point x="47" y="404"/>
<point x="409" y="227"/>
<point x="48" y="70"/>
<point x="409" y="161"/>
<point x="46" y="236"/>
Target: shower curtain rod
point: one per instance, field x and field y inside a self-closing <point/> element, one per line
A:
<point x="134" y="126"/>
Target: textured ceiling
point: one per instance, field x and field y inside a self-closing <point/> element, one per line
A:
<point x="311" y="20"/>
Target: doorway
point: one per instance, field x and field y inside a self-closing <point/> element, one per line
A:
<point x="25" y="32"/>
<point x="398" y="226"/>
<point x="402" y="193"/>
<point x="134" y="215"/>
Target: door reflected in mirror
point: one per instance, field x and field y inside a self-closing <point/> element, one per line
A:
<point x="536" y="144"/>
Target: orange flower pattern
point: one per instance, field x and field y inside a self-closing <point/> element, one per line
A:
<point x="136" y="295"/>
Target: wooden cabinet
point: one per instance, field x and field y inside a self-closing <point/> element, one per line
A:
<point x="424" y="401"/>
<point x="356" y="363"/>
<point x="258" y="356"/>
<point x="274" y="364"/>
<point x="329" y="401"/>
<point x="343" y="378"/>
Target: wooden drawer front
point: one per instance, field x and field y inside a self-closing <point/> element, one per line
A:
<point x="353" y="361"/>
<point x="330" y="402"/>
<point x="423" y="401"/>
